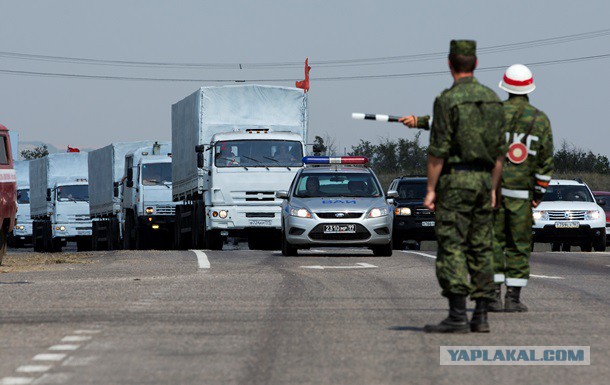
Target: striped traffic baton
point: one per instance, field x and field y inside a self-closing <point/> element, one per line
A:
<point x="378" y="117"/>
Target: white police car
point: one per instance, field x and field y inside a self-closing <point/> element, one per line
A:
<point x="336" y="202"/>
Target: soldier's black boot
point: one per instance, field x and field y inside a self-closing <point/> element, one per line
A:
<point x="512" y="300"/>
<point x="478" y="323"/>
<point x="456" y="322"/>
<point x="495" y="305"/>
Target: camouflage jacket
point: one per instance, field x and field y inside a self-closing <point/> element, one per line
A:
<point x="468" y="125"/>
<point x="534" y="173"/>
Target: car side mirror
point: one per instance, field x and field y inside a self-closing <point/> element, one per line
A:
<point x="601" y="202"/>
<point x="392" y="194"/>
<point x="129" y="183"/>
<point x="282" y="194"/>
<point x="200" y="159"/>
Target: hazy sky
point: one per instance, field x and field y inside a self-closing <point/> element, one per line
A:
<point x="93" y="113"/>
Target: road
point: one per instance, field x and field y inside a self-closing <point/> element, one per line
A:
<point x="255" y="317"/>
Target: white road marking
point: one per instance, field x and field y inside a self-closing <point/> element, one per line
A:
<point x="33" y="368"/>
<point x="359" y="266"/>
<point x="49" y="357"/>
<point x="53" y="378"/>
<point x="86" y="331"/>
<point x="545" y="276"/>
<point x="16" y="381"/>
<point x="202" y="259"/>
<point x="418" y="253"/>
<point x="75" y="338"/>
<point x="64" y="347"/>
<point x="79" y="361"/>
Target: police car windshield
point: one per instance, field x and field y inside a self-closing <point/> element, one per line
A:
<point x="567" y="193"/>
<point x="74" y="193"/>
<point x="156" y="174"/>
<point x="258" y="153"/>
<point x="337" y="184"/>
<point x="23" y="196"/>
<point x="409" y="191"/>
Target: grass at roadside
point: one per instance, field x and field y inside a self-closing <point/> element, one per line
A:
<point x="30" y="261"/>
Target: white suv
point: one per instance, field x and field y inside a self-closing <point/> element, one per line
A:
<point x="569" y="216"/>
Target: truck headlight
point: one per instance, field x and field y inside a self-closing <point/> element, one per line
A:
<point x="223" y="214"/>
<point x="60" y="228"/>
<point x="540" y="215"/>
<point x="378" y="212"/>
<point x="405" y="211"/>
<point x="150" y="210"/>
<point x="301" y="213"/>
<point x="592" y="215"/>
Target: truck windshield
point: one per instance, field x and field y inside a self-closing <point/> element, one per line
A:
<point x="23" y="196"/>
<point x="568" y="193"/>
<point x="258" y="153"/>
<point x="75" y="193"/>
<point x="156" y="174"/>
<point x="337" y="185"/>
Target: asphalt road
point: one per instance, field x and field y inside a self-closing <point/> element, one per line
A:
<point x="255" y="317"/>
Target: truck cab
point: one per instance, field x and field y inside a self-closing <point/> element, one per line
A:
<point x="22" y="232"/>
<point x="148" y="208"/>
<point x="8" y="190"/>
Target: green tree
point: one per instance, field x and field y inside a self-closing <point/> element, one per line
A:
<point x="35" y="153"/>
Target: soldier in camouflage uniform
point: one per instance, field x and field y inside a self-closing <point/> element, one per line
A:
<point x="525" y="177"/>
<point x="465" y="159"/>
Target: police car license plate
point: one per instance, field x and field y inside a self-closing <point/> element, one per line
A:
<point x="567" y="225"/>
<point x="427" y="223"/>
<point x="260" y="222"/>
<point x="339" y="229"/>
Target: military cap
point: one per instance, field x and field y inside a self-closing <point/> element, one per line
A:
<point x="463" y="47"/>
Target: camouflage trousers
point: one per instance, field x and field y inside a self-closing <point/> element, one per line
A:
<point x="464" y="231"/>
<point x="512" y="241"/>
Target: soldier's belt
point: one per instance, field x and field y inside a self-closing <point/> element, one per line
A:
<point x="519" y="194"/>
<point x="470" y="167"/>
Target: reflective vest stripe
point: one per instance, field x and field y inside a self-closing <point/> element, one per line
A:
<point x="519" y="194"/>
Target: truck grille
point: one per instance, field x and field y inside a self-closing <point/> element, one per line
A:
<point x="339" y="215"/>
<point x="80" y="217"/>
<point x="567" y="215"/>
<point x="165" y="210"/>
<point x="254" y="196"/>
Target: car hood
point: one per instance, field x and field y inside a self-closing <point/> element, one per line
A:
<point x="410" y="203"/>
<point x="567" y="205"/>
<point x="338" y="204"/>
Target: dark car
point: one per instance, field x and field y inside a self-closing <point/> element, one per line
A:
<point x="413" y="222"/>
<point x="603" y="199"/>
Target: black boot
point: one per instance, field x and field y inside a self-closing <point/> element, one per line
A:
<point x="512" y="302"/>
<point x="457" y="322"/>
<point x="479" y="323"/>
<point x="495" y="305"/>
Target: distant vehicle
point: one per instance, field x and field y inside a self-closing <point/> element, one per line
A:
<point x="569" y="216"/>
<point x="412" y="221"/>
<point x="22" y="232"/>
<point x="336" y="205"/>
<point x="59" y="202"/>
<point x="8" y="190"/>
<point x="148" y="208"/>
<point x="603" y="199"/>
<point x="106" y="178"/>
<point x="234" y="146"/>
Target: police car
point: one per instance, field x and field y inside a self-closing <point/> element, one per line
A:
<point x="336" y="202"/>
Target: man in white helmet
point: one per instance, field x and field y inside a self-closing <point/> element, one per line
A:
<point x="525" y="177"/>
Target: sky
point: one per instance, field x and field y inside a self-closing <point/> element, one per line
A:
<point x="91" y="113"/>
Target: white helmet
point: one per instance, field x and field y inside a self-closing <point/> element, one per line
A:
<point x="518" y="79"/>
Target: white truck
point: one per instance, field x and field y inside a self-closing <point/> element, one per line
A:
<point x="148" y="208"/>
<point x="234" y="147"/>
<point x="59" y="202"/>
<point x="106" y="173"/>
<point x="22" y="232"/>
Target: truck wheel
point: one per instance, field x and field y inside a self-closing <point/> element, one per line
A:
<point x="600" y="244"/>
<point x="566" y="247"/>
<point x="555" y="246"/>
<point x="213" y="240"/>
<point x="114" y="234"/>
<point x="287" y="249"/>
<point x="142" y="243"/>
<point x="2" y="245"/>
<point x="128" y="241"/>
<point x="383" y="251"/>
<point x="83" y="244"/>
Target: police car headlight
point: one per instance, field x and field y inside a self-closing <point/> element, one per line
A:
<point x="301" y="213"/>
<point x="592" y="215"/>
<point x="540" y="215"/>
<point x="378" y="212"/>
<point x="402" y="211"/>
<point x="150" y="210"/>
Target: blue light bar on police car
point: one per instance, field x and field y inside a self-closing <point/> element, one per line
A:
<point x="335" y="160"/>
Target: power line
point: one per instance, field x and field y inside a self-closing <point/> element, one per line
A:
<point x="274" y="80"/>
<point x="322" y="63"/>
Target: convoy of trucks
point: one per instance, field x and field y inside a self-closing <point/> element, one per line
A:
<point x="59" y="202"/>
<point x="234" y="146"/>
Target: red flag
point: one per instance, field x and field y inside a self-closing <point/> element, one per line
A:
<point x="304" y="84"/>
<point x="73" y="149"/>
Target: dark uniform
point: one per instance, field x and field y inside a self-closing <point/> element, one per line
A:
<point x="521" y="183"/>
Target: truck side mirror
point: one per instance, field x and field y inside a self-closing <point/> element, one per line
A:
<point x="282" y="194"/>
<point x="200" y="148"/>
<point x="48" y="195"/>
<point x="129" y="174"/>
<point x="200" y="159"/>
<point x="116" y="189"/>
<point x="129" y="183"/>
